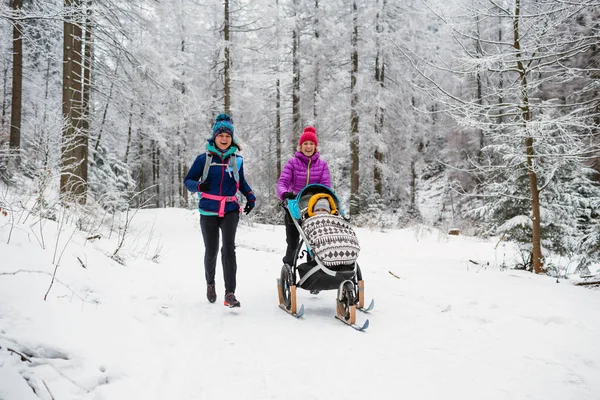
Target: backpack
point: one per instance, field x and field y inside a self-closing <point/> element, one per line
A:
<point x="233" y="165"/>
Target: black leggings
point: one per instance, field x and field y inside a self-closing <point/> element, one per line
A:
<point x="210" y="226"/>
<point x="292" y="237"/>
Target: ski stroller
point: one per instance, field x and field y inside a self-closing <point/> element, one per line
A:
<point x="331" y="247"/>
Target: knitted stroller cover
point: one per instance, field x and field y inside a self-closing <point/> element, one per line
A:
<point x="331" y="239"/>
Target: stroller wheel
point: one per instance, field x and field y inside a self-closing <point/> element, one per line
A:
<point x="286" y="286"/>
<point x="346" y="301"/>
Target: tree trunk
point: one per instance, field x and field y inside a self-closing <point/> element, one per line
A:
<point x="17" y="84"/>
<point x="142" y="178"/>
<point x="317" y="61"/>
<point x="354" y="143"/>
<point x="296" y="80"/>
<point x="172" y="192"/>
<point x="67" y="99"/>
<point x="226" y="88"/>
<point x="72" y="183"/>
<point x="412" y="206"/>
<point x="182" y="171"/>
<point x="101" y="127"/>
<point x="129" y="134"/>
<point x="278" y="128"/>
<point x="500" y="74"/>
<point x="156" y="172"/>
<point x="380" y="110"/>
<point x="479" y="94"/>
<point x="4" y="85"/>
<point x="181" y="168"/>
<point x="84" y="134"/>
<point x="378" y="154"/>
<point x="157" y="183"/>
<point x="526" y="117"/>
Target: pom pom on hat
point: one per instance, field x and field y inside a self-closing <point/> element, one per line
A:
<point x="309" y="134"/>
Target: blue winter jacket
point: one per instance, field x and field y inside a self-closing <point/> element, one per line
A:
<point x="220" y="178"/>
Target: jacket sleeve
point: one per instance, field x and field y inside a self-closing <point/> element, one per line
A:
<point x="285" y="179"/>
<point x="245" y="187"/>
<point x="326" y="178"/>
<point x="192" y="179"/>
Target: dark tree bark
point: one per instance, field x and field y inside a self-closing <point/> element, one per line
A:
<point x="317" y="60"/>
<point x="84" y="134"/>
<point x="129" y="135"/>
<point x="73" y="182"/>
<point x="182" y="168"/>
<point x="227" y="68"/>
<point x="380" y="110"/>
<point x="296" y="80"/>
<point x="17" y="82"/>
<point x="354" y="118"/>
<point x="479" y="93"/>
<point x="105" y="112"/>
<point x="156" y="171"/>
<point x="278" y="129"/>
<point x="529" y="149"/>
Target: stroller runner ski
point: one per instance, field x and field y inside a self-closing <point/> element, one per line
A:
<point x="331" y="249"/>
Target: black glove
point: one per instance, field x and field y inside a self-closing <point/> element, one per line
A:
<point x="289" y="195"/>
<point x="204" y="187"/>
<point x="249" y="206"/>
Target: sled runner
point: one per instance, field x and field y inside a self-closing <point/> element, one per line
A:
<point x="331" y="249"/>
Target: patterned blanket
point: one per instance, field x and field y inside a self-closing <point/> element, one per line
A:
<point x="332" y="239"/>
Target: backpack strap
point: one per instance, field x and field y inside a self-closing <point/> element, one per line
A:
<point x="235" y="168"/>
<point x="207" y="163"/>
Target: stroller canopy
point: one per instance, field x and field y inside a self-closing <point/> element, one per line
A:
<point x="297" y="205"/>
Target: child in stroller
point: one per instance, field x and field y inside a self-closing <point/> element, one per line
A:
<point x="322" y="207"/>
<point x="332" y="250"/>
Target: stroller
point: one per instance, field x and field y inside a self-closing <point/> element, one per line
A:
<point x="331" y="247"/>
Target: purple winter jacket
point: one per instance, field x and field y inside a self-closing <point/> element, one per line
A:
<point x="301" y="171"/>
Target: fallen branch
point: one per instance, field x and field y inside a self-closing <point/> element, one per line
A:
<point x="588" y="283"/>
<point x="481" y="265"/>
<point x="478" y="263"/>
<point x="23" y="356"/>
<point x="394" y="275"/>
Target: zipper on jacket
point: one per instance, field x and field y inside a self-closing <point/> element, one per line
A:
<point x="308" y="171"/>
<point x="222" y="177"/>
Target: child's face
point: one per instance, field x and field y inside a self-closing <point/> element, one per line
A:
<point x="321" y="207"/>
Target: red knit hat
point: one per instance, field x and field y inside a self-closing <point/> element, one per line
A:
<point x="309" y="134"/>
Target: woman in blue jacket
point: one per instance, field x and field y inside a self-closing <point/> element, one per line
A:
<point x="217" y="175"/>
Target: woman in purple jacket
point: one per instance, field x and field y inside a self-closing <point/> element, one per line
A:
<point x="303" y="169"/>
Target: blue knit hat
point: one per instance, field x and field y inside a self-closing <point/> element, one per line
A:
<point x="223" y="123"/>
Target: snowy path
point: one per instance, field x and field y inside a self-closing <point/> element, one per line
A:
<point x="444" y="329"/>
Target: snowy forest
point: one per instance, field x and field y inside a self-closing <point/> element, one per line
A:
<point x="481" y="116"/>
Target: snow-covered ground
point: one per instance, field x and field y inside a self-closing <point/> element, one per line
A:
<point x="443" y="327"/>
